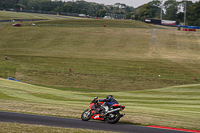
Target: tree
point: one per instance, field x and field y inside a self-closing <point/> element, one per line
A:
<point x="9" y="3"/>
<point x="46" y="8"/>
<point x="180" y="17"/>
<point x="24" y="3"/>
<point x="84" y="11"/>
<point x="194" y="14"/>
<point x="171" y="7"/>
<point x="101" y="13"/>
<point x="129" y="15"/>
<point x="187" y="3"/>
<point x="2" y="3"/>
<point x="18" y="6"/>
<point x="33" y="4"/>
<point x="156" y="3"/>
<point x="149" y="10"/>
<point x="45" y="5"/>
<point x="91" y="10"/>
<point x="67" y="7"/>
<point x="129" y="9"/>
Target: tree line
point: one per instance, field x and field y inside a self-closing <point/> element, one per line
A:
<point x="171" y="9"/>
<point x="79" y="6"/>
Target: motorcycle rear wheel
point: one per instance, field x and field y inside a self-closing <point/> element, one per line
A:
<point x="115" y="119"/>
<point x="86" y="115"/>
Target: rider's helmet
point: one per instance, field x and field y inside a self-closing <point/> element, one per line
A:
<point x="109" y="97"/>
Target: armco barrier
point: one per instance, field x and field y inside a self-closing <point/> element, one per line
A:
<point x="189" y="27"/>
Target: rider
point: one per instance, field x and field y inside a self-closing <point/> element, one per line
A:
<point x="108" y="102"/>
<point x="109" y="99"/>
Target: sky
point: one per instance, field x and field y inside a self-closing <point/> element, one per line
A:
<point x="134" y="3"/>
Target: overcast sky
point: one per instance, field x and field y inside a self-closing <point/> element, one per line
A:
<point x="134" y="3"/>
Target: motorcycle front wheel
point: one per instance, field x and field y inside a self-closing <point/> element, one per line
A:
<point x="86" y="115"/>
<point x="113" y="118"/>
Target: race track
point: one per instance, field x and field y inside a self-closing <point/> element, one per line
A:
<point x="77" y="123"/>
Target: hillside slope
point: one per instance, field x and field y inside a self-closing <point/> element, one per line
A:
<point x="100" y="58"/>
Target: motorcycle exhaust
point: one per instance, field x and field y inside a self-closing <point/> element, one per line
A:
<point x="112" y="111"/>
<point x="122" y="115"/>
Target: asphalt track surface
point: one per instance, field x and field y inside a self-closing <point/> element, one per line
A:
<point x="77" y="123"/>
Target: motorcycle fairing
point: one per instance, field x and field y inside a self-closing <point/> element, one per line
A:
<point x="95" y="112"/>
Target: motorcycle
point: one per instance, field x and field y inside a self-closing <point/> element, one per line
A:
<point x="103" y="111"/>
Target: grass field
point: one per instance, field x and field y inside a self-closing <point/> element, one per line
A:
<point x="172" y="106"/>
<point x="100" y="58"/>
<point x="113" y="60"/>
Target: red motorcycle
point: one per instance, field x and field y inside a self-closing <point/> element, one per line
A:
<point x="103" y="111"/>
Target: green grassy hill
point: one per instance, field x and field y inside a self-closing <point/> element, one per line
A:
<point x="101" y="58"/>
<point x="176" y="106"/>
